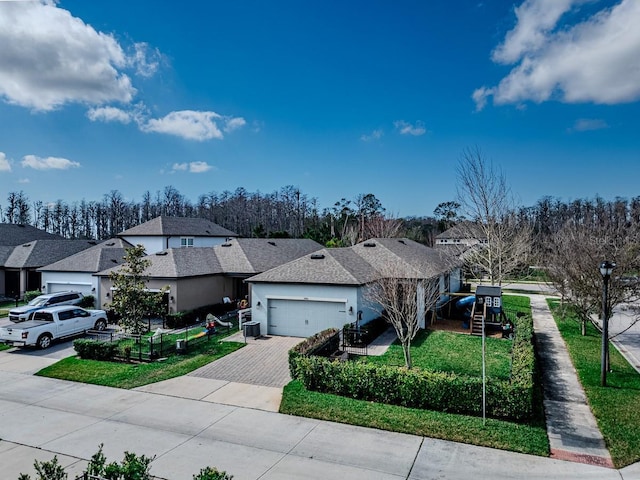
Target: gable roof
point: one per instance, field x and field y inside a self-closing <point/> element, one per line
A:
<point x="94" y="259"/>
<point x="13" y="234"/>
<point x="463" y="230"/>
<point x="243" y="257"/>
<point x="362" y="263"/>
<point x="178" y="226"/>
<point x="42" y="252"/>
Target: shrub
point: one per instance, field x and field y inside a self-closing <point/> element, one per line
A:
<point x="31" y="294"/>
<point x="415" y="388"/>
<point x="209" y="473"/>
<point x="94" y="349"/>
<point x="88" y="301"/>
<point x="324" y="342"/>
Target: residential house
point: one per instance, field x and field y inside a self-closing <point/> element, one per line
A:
<point x="23" y="261"/>
<point x="464" y="233"/>
<point x="12" y="235"/>
<point x="328" y="288"/>
<point x="193" y="277"/>
<point x="165" y="232"/>
<point x="76" y="272"/>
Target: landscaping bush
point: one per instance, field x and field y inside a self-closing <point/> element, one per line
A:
<point x="31" y="294"/>
<point x="415" y="388"/>
<point x="94" y="349"/>
<point x="88" y="301"/>
<point x="325" y="342"/>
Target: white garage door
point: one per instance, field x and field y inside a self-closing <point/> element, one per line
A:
<point x="303" y="318"/>
<point x="83" y="288"/>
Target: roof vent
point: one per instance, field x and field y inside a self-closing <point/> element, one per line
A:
<point x="161" y="254"/>
<point x="369" y="244"/>
<point x="110" y="244"/>
<point x="207" y="231"/>
<point x="317" y="256"/>
<point x="402" y="242"/>
<point x="225" y="245"/>
<point x="114" y="260"/>
<point x="272" y="243"/>
<point x="92" y="242"/>
<point x="26" y="245"/>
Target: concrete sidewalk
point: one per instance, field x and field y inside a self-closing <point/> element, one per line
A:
<point x="42" y="417"/>
<point x="572" y="429"/>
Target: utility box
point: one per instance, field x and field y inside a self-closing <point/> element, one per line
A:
<point x="181" y="345"/>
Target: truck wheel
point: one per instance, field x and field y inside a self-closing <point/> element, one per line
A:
<point x="44" y="341"/>
<point x="101" y="325"/>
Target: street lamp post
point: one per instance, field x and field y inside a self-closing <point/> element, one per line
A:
<point x="606" y="268"/>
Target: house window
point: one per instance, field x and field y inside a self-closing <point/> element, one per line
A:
<point x="186" y="242"/>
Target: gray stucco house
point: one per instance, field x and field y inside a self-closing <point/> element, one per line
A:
<point x="328" y="288"/>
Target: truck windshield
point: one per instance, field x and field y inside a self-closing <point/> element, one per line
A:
<point x="43" y="316"/>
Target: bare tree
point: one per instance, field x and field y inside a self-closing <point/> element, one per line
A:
<point x="404" y="302"/>
<point x="487" y="201"/>
<point x="572" y="258"/>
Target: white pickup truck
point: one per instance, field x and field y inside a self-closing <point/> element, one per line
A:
<point x="52" y="323"/>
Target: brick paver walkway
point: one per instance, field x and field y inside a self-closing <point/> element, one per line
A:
<point x="263" y="361"/>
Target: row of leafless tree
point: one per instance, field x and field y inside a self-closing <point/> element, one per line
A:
<point x="287" y="212"/>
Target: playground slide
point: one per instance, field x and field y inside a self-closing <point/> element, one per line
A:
<point x="212" y="318"/>
<point x="466" y="301"/>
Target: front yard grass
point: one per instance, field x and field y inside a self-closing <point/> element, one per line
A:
<point x="438" y="350"/>
<point x="131" y="375"/>
<point x="617" y="406"/>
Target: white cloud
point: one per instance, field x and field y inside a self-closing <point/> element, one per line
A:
<point x="233" y="123"/>
<point x="188" y="124"/>
<point x="145" y="59"/>
<point x="49" y="58"/>
<point x="48" y="163"/>
<point x="24" y="180"/>
<point x="109" y="114"/>
<point x="192" y="167"/>
<point x="587" y="124"/>
<point x="375" y="135"/>
<point x="594" y="61"/>
<point x="405" y="128"/>
<point x="5" y="166"/>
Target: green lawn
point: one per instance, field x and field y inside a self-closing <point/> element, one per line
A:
<point x="131" y="375"/>
<point x="435" y="351"/>
<point x="617" y="406"/>
<point x="452" y="352"/>
<point x="4" y="347"/>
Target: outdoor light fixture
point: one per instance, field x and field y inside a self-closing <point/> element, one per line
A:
<point x="108" y="294"/>
<point x="172" y="299"/>
<point x="258" y="304"/>
<point x="350" y="310"/>
<point x="606" y="268"/>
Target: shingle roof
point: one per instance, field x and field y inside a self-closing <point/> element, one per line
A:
<point x="255" y="255"/>
<point x="463" y="230"/>
<point x="16" y="234"/>
<point x="243" y="256"/>
<point x="94" y="259"/>
<point x="176" y="226"/>
<point x="362" y="263"/>
<point x="43" y="252"/>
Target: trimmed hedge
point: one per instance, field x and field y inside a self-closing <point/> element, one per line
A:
<point x="322" y="343"/>
<point x="415" y="388"/>
<point x="94" y="349"/>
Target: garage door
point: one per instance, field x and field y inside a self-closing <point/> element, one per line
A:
<point x="303" y="318"/>
<point x="83" y="288"/>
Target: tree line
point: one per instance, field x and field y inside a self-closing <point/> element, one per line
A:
<point x="287" y="212"/>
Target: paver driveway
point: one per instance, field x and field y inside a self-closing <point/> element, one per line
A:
<point x="263" y="361"/>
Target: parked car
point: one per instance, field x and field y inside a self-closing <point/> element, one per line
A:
<point x="51" y="323"/>
<point x="20" y="314"/>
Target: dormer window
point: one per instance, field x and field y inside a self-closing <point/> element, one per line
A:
<point x="186" y="242"/>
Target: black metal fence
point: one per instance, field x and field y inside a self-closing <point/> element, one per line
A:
<point x="354" y="341"/>
<point x="147" y="347"/>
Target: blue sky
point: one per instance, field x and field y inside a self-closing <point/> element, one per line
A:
<point x="337" y="98"/>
